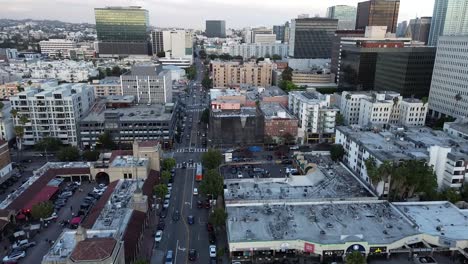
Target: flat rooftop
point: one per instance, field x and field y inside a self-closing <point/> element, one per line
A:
<point x="154" y="112"/>
<point x="275" y="110"/>
<point x="108" y="81"/>
<point x="324" y="182"/>
<point x="437" y="218"/>
<point x="376" y="222"/>
<point x="243" y="112"/>
<point x="128" y="161"/>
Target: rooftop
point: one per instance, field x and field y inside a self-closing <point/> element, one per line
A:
<point x="94" y="248"/>
<point x="129" y="161"/>
<point x="376" y="222"/>
<point x="108" y="81"/>
<point x="275" y="110"/>
<point x="243" y="112"/>
<point x="154" y="112"/>
<point x="437" y="218"/>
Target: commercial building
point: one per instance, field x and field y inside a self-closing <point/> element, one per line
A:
<point x="215" y="28"/>
<point x="279" y="31"/>
<point x="316" y="116"/>
<point x="57" y="47"/>
<point x="148" y="83"/>
<point x="311" y="37"/>
<point x="345" y="14"/>
<point x="245" y="95"/>
<point x="265" y="38"/>
<point x="397" y="144"/>
<point x="126" y="122"/>
<point x="448" y="95"/>
<point x="378" y="13"/>
<point x="108" y="86"/>
<point x="175" y="43"/>
<point x="449" y="17"/>
<point x="122" y="31"/>
<point x="336" y="46"/>
<point x="313" y="78"/>
<point x="256" y="50"/>
<point x="250" y="35"/>
<point x="418" y="29"/>
<point x="236" y="127"/>
<point x="401" y="29"/>
<point x="232" y="73"/>
<point x="385" y="64"/>
<point x="379" y="109"/>
<point x="52" y="112"/>
<point x="279" y="123"/>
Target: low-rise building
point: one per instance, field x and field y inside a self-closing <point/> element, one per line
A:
<point x="315" y="114"/>
<point x="108" y="86"/>
<point x="57" y="47"/>
<point x="232" y="73"/>
<point x="313" y="78"/>
<point x="279" y="123"/>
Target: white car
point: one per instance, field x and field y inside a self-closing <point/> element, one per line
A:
<point x="239" y="175"/>
<point x="166" y="203"/>
<point x="168" y="195"/>
<point x="14" y="255"/>
<point x="195" y="191"/>
<point x="169" y="187"/>
<point x="212" y="251"/>
<point x="158" y="236"/>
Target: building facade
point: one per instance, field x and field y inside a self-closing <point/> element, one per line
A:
<point x="176" y="44"/>
<point x="258" y="50"/>
<point x="149" y="84"/>
<point x="316" y="117"/>
<point x="311" y="37"/>
<point x="265" y="38"/>
<point x="53" y="112"/>
<point x="418" y="29"/>
<point x="7" y="129"/>
<point x="279" y="31"/>
<point x="157" y="41"/>
<point x="279" y="123"/>
<point x="122" y="31"/>
<point x="345" y="14"/>
<point x="378" y="13"/>
<point x="448" y="95"/>
<point x="57" y="47"/>
<point x="215" y="28"/>
<point x="336" y="44"/>
<point x="449" y="17"/>
<point x="108" y="86"/>
<point x="231" y="73"/>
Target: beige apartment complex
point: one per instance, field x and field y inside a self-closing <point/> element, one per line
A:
<point x="232" y="73"/>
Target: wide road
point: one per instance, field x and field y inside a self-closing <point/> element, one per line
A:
<point x="179" y="236"/>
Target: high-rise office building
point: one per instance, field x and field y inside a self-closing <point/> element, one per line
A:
<point x="378" y="13"/>
<point x="122" y="31"/>
<point x="157" y="42"/>
<point x="174" y="43"/>
<point x="449" y="17"/>
<point x="401" y="29"/>
<point x="279" y="32"/>
<point x="418" y="29"/>
<point x="215" y="28"/>
<point x="448" y="95"/>
<point x="346" y="16"/>
<point x="311" y="38"/>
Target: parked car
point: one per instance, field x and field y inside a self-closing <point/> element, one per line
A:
<point x="195" y="191"/>
<point x="191" y="220"/>
<point x="166" y="203"/>
<point x="158" y="236"/>
<point x="176" y="216"/>
<point x="53" y="217"/>
<point x="14" y="255"/>
<point x="212" y="251"/>
<point x="192" y="255"/>
<point x="169" y="255"/>
<point x="212" y="238"/>
<point x="27" y="245"/>
<point x="163" y="213"/>
<point x="199" y="204"/>
<point x="239" y="175"/>
<point x="209" y="227"/>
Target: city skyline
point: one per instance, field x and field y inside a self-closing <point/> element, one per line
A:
<point x="189" y="14"/>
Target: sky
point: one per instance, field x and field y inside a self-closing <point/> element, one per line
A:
<point x="193" y="13"/>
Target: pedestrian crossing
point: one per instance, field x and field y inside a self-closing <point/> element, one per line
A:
<point x="189" y="165"/>
<point x="192" y="150"/>
<point x="194" y="110"/>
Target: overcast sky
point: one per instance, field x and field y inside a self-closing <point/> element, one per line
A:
<point x="193" y="13"/>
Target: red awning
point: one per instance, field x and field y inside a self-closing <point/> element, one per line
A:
<point x="75" y="221"/>
<point x="44" y="195"/>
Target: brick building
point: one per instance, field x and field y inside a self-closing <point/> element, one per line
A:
<point x="278" y="121"/>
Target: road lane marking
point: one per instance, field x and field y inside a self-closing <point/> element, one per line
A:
<point x="177" y="248"/>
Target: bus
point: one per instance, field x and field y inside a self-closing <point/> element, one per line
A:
<point x="199" y="175"/>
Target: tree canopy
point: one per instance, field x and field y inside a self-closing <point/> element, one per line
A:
<point x="160" y="190"/>
<point x="337" y="152"/>
<point x="355" y="258"/>
<point x="286" y="75"/>
<point x="218" y="217"/>
<point x="340" y="121"/>
<point x="287" y="86"/>
<point x="212" y="159"/>
<point x="205" y="116"/>
<point x="212" y="183"/>
<point x="207" y="82"/>
<point x="191" y="72"/>
<point x="42" y="210"/>
<point x="48" y="144"/>
<point x="69" y="153"/>
<point x="276" y="57"/>
<point x="90" y="155"/>
<point x="105" y="141"/>
<point x="169" y="164"/>
<point x="166" y="176"/>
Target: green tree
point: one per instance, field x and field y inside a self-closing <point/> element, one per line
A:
<point x="116" y="71"/>
<point x="166" y="176"/>
<point x="160" y="190"/>
<point x="161" y="54"/>
<point x="213" y="56"/>
<point x="29" y="82"/>
<point x="287" y="73"/>
<point x="108" y="72"/>
<point x="212" y="183"/>
<point x="169" y="164"/>
<point x="207" y="82"/>
<point x="288" y="139"/>
<point x="340" y="121"/>
<point x="218" y="217"/>
<point x="355" y="257"/>
<point x="205" y="116"/>
<point x="19" y="88"/>
<point x="202" y="54"/>
<point x="69" y="153"/>
<point x="105" y="141"/>
<point x="225" y="57"/>
<point x="238" y="57"/>
<point x="287" y="86"/>
<point x="48" y="144"/>
<point x="90" y="155"/>
<point x="212" y="159"/>
<point x="276" y="57"/>
<point x="464" y="192"/>
<point x="42" y="210"/>
<point x="337" y="152"/>
<point x="141" y="261"/>
<point x="191" y="72"/>
<point x="450" y="195"/>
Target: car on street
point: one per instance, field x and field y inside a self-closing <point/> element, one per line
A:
<point x="176" y="216"/>
<point x="209" y="227"/>
<point x="212" y="251"/>
<point x="166" y="203"/>
<point x="14" y="255"/>
<point x="169" y="255"/>
<point x="199" y="204"/>
<point x="191" y="220"/>
<point x="239" y="175"/>
<point x="192" y="255"/>
<point x="195" y="191"/>
<point x="158" y="236"/>
<point x="207" y="204"/>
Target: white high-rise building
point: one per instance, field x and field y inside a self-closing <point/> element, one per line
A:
<point x="316" y="116"/>
<point x="57" y="47"/>
<point x="177" y="44"/>
<point x="53" y="111"/>
<point x="248" y="50"/>
<point x="449" y="94"/>
<point x="450" y="17"/>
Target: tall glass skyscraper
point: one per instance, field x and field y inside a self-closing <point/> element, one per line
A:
<point x="378" y="13"/>
<point x="311" y="38"/>
<point x="122" y="31"/>
<point x="449" y="17"/>
<point x="346" y="16"/>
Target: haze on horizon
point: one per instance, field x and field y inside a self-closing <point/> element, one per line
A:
<point x="193" y="13"/>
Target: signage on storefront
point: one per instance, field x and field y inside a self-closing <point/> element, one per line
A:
<point x="377" y="250"/>
<point x="309" y="248"/>
<point x="333" y="252"/>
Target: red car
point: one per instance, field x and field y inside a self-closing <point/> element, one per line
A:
<point x="207" y="204"/>
<point x="209" y="227"/>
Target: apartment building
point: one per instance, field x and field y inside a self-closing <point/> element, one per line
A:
<point x="7" y="131"/>
<point x="265" y="38"/>
<point x="377" y="109"/>
<point x="53" y="111"/>
<point x="148" y="83"/>
<point x="314" y="77"/>
<point x="57" y="47"/>
<point x="107" y="86"/>
<point x="279" y="123"/>
<point x="249" y="50"/>
<point x="233" y="73"/>
<point x="175" y="43"/>
<point x="316" y="116"/>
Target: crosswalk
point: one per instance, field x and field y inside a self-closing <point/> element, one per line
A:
<point x="194" y="110"/>
<point x="189" y="165"/>
<point x="192" y="150"/>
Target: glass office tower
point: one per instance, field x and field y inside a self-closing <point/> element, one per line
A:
<point x="122" y="31"/>
<point x="346" y="16"/>
<point x="378" y="13"/>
